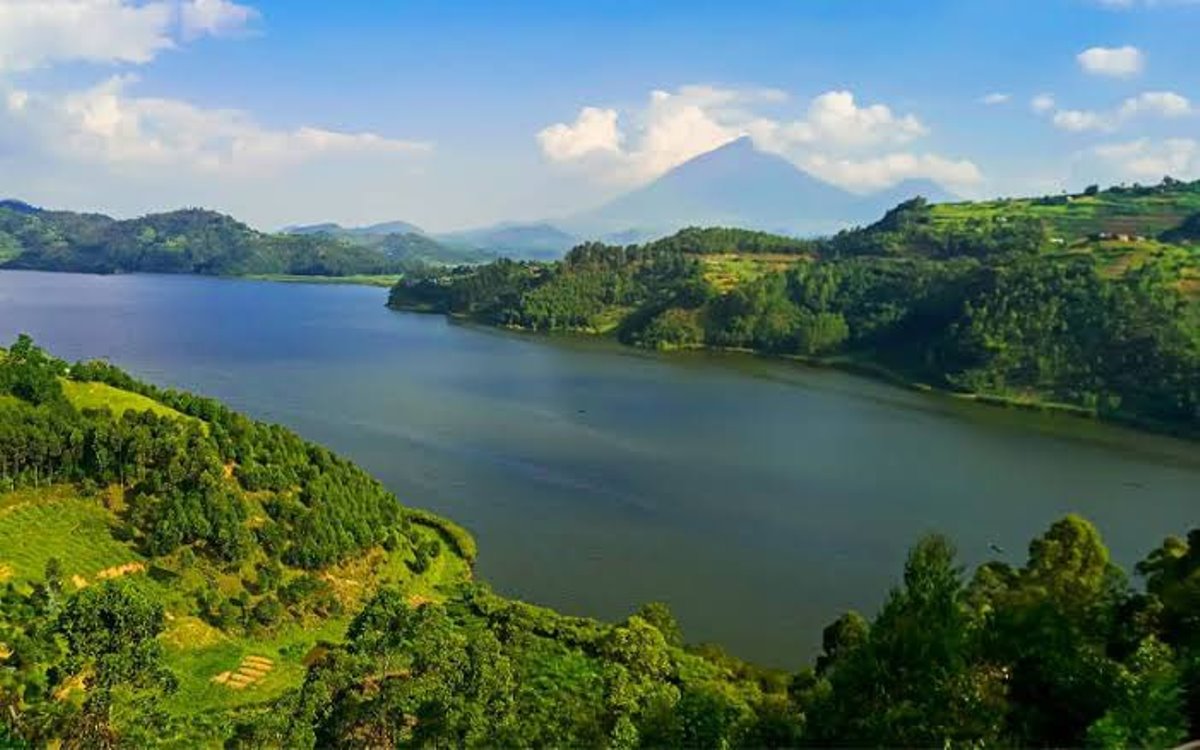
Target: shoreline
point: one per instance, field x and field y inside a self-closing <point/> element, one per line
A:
<point x="379" y="281"/>
<point x="868" y="369"/>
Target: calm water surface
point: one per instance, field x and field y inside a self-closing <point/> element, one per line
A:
<point x="758" y="498"/>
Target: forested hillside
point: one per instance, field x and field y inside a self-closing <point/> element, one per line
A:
<point x="186" y="241"/>
<point x="988" y="300"/>
<point x="177" y="575"/>
<point x="400" y="241"/>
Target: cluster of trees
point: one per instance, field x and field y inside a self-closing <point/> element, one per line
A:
<point x="204" y="489"/>
<point x="578" y="293"/>
<point x="1060" y="651"/>
<point x="910" y="229"/>
<point x="175" y="472"/>
<point x="970" y="306"/>
<point x="72" y="657"/>
<point x="717" y="240"/>
<point x="1188" y="231"/>
<point x="185" y="241"/>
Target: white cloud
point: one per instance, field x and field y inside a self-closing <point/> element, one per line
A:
<point x="1145" y="159"/>
<point x="836" y="137"/>
<point x="1160" y="103"/>
<point x="1164" y="104"/>
<point x="105" y="124"/>
<point x="995" y="98"/>
<point x="594" y="130"/>
<point x="1080" y="121"/>
<point x="882" y="171"/>
<point x="1042" y="103"/>
<point x="1118" y="62"/>
<point x="38" y="33"/>
<point x="214" y="18"/>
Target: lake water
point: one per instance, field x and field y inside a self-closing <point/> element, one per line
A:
<point x="759" y="498"/>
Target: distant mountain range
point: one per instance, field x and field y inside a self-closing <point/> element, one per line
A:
<point x="735" y="185"/>
<point x="538" y="241"/>
<point x="373" y="230"/>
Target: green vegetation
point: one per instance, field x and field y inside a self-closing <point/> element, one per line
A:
<point x="185" y="241"/>
<point x="95" y="395"/>
<point x="380" y="280"/>
<point x="1146" y="211"/>
<point x="53" y="522"/>
<point x="207" y="580"/>
<point x="1005" y="302"/>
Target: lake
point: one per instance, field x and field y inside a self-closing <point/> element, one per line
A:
<point x="758" y="498"/>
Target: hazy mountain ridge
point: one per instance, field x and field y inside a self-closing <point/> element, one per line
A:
<point x="734" y="185"/>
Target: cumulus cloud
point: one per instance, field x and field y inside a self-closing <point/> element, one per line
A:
<point x="37" y="33"/>
<point x="594" y="130"/>
<point x="1163" y="104"/>
<point x="836" y="137"/>
<point x="995" y="98"/>
<point x="1146" y="159"/>
<point x="1160" y="103"/>
<point x="1118" y="62"/>
<point x="105" y="124"/>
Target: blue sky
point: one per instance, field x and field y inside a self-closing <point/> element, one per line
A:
<point x="464" y="113"/>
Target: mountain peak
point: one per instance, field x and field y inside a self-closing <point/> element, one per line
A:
<point x="735" y="184"/>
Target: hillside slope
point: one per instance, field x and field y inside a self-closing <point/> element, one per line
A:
<point x="176" y="574"/>
<point x="1031" y="302"/>
<point x="185" y="241"/>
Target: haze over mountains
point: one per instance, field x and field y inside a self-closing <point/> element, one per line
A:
<point x="739" y="185"/>
<point x="734" y="185"/>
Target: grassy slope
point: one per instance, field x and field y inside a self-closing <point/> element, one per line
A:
<point x="725" y="271"/>
<point x="1083" y="216"/>
<point x="38" y="524"/>
<point x="102" y="396"/>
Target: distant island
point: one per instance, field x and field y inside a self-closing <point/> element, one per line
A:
<point x="178" y="575"/>
<point x="1087" y="303"/>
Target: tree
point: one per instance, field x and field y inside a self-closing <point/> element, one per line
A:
<point x="660" y="616"/>
<point x="113" y="628"/>
<point x="913" y="681"/>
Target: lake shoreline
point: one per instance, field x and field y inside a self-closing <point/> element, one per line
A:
<point x="858" y="367"/>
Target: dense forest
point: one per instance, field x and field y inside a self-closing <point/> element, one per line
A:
<point x="270" y="594"/>
<point x="993" y="304"/>
<point x="185" y="241"/>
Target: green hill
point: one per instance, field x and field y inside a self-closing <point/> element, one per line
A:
<point x="1146" y="211"/>
<point x="1036" y="302"/>
<point x="400" y="241"/>
<point x="177" y="574"/>
<point x="185" y="241"/>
